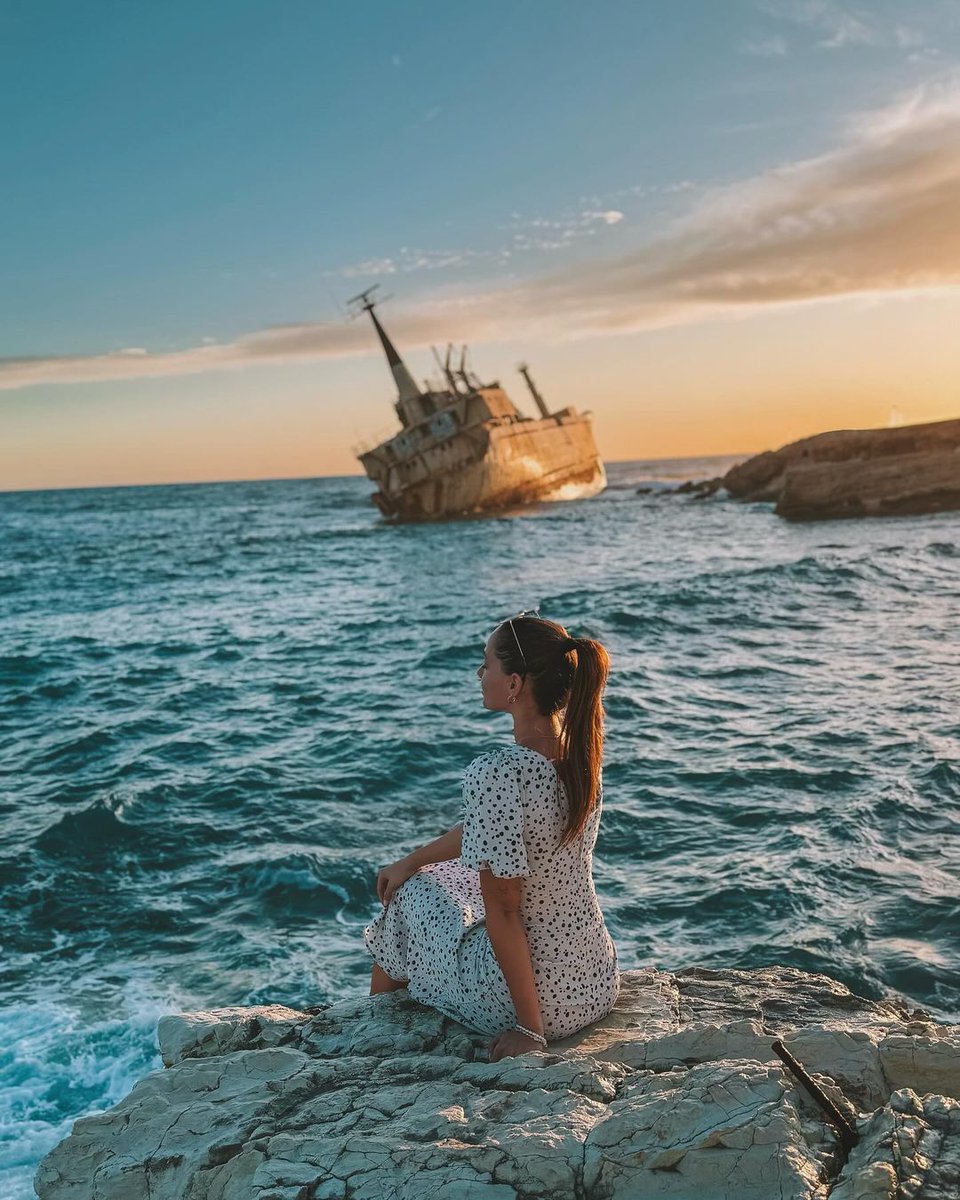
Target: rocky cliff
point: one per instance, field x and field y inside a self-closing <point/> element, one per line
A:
<point x="677" y="1093"/>
<point x="857" y="473"/>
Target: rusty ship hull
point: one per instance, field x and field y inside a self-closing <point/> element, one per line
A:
<point x="464" y="448"/>
<point x="503" y="467"/>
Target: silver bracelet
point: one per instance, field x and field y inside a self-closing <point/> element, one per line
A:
<point x="532" y="1033"/>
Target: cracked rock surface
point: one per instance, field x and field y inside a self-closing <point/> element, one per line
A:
<point x="676" y="1093"/>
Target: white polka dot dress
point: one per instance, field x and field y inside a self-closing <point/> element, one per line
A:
<point x="433" y="931"/>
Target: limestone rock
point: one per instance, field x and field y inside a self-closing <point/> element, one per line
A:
<point x="676" y="1093"/>
<point x="889" y="487"/>
<point x="202" y="1034"/>
<point x="855" y="473"/>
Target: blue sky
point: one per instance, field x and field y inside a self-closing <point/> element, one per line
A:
<point x="186" y="174"/>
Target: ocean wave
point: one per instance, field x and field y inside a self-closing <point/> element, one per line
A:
<point x="103" y="830"/>
<point x="942" y="779"/>
<point x="58" y="1064"/>
<point x="76" y="751"/>
<point x="295" y="887"/>
<point x="96" y="831"/>
<point x="17" y="670"/>
<point x="248" y="697"/>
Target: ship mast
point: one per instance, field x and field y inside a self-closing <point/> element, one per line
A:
<point x="534" y="392"/>
<point x="406" y="386"/>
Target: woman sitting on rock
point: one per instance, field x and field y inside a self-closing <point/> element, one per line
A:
<point x="496" y="923"/>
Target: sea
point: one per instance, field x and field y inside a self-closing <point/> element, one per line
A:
<point x="224" y="706"/>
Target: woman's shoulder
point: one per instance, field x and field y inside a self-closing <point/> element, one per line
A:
<point x="505" y="756"/>
<point x="496" y="756"/>
<point x="499" y="757"/>
<point x="490" y="777"/>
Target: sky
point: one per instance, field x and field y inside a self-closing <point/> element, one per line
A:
<point x="718" y="227"/>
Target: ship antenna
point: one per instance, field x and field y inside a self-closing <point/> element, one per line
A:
<point x="448" y="369"/>
<point x="471" y="377"/>
<point x="445" y="368"/>
<point x="534" y="392"/>
<point x="462" y="370"/>
<point x="406" y="386"/>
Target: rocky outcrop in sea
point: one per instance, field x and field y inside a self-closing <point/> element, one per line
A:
<point x="902" y="471"/>
<point x="677" y="1093"/>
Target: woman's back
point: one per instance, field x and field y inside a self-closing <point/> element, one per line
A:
<point x="514" y="815"/>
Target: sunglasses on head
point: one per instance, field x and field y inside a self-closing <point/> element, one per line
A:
<point x="527" y="612"/>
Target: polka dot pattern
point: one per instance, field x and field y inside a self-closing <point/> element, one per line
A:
<point x="433" y="932"/>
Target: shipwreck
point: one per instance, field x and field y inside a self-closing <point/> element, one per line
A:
<point x="465" y="448"/>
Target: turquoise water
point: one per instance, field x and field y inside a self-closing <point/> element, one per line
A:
<point x="223" y="706"/>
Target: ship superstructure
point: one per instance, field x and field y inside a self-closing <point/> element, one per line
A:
<point x="464" y="447"/>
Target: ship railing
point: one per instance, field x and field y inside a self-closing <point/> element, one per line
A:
<point x="374" y="439"/>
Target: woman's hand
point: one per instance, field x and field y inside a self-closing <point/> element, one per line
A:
<point x="391" y="876"/>
<point x="510" y="1042"/>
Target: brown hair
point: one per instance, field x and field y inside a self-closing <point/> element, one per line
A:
<point x="570" y="674"/>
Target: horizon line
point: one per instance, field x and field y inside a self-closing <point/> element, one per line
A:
<point x="100" y="487"/>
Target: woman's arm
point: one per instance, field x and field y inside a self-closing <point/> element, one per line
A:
<point x="508" y="937"/>
<point x="446" y="846"/>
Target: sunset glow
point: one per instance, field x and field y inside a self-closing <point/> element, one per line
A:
<point x="708" y="273"/>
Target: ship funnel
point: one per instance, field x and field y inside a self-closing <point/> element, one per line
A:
<point x="406" y="385"/>
<point x="538" y="399"/>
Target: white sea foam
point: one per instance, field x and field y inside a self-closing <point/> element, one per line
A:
<point x="57" y="1065"/>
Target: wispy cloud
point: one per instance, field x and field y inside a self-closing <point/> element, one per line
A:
<point x="765" y="47"/>
<point x="878" y="214"/>
<point x="541" y="234"/>
<point x="410" y="259"/>
<point x="837" y="25"/>
<point x="907" y="38"/>
<point x="535" y="234"/>
<point x="426" y="117"/>
<point x="609" y="216"/>
<point x="758" y="126"/>
<point x="639" y="191"/>
<point x="367" y="267"/>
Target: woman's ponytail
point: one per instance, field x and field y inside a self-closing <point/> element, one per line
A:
<point x="567" y="674"/>
<point x="581" y="736"/>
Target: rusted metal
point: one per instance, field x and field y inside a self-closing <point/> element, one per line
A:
<point x="467" y="450"/>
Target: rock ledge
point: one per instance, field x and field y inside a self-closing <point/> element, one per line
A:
<point x="676" y="1093"/>
<point x="902" y="471"/>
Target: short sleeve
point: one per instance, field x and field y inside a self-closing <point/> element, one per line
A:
<point x="493" y="818"/>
